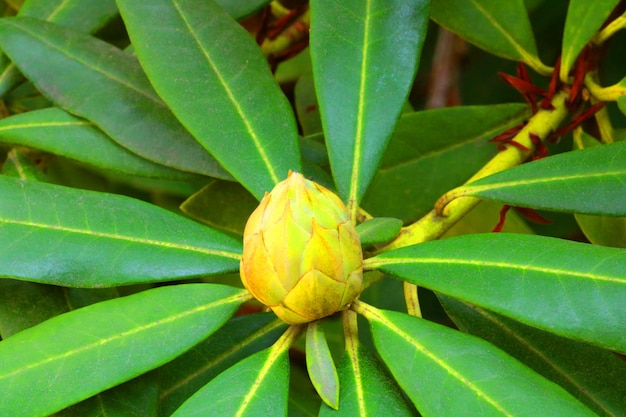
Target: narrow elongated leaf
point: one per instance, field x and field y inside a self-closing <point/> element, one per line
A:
<point x="237" y="339"/>
<point x="80" y="15"/>
<point x="366" y="388"/>
<point x="56" y="131"/>
<point x="573" y="289"/>
<point x="137" y="397"/>
<point x="583" y="21"/>
<point x="259" y="382"/>
<point x="589" y="181"/>
<point x="83" y="16"/>
<point x="78" y="354"/>
<point x="372" y="50"/>
<point x="64" y="64"/>
<point x="378" y="230"/>
<point x="593" y="375"/>
<point x="409" y="180"/>
<point x="320" y="365"/>
<point x="448" y="373"/>
<point x="76" y="238"/>
<point x="220" y="81"/>
<point x="499" y="27"/>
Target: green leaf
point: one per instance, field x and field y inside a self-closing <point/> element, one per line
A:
<point x="593" y="375"/>
<point x="320" y="365"/>
<point x="239" y="9"/>
<point x="259" y="382"/>
<point x="410" y="178"/>
<point x="589" y="181"/>
<point x="600" y="230"/>
<point x="25" y="304"/>
<point x="80" y="15"/>
<point x="76" y="238"/>
<point x="19" y="165"/>
<point x="220" y="81"/>
<point x="448" y="373"/>
<point x="237" y="339"/>
<point x="86" y="351"/>
<point x="525" y="277"/>
<point x="55" y="131"/>
<point x="137" y="397"/>
<point x="64" y="64"/>
<point x="222" y="205"/>
<point x="499" y="27"/>
<point x="583" y="21"/>
<point x="378" y="230"/>
<point x="372" y="50"/>
<point x="366" y="388"/>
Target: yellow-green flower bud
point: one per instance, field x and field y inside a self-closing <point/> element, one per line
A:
<point x="301" y="253"/>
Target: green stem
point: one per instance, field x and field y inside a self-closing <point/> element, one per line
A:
<point x="452" y="206"/>
<point x="610" y="29"/>
<point x="412" y="300"/>
<point x="611" y="93"/>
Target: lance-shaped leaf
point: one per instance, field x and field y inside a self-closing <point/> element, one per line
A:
<point x="589" y="181"/>
<point x="378" y="230"/>
<point x="237" y="339"/>
<point x="320" y="365"/>
<point x="366" y="388"/>
<point x="573" y="289"/>
<point x="63" y="236"/>
<point x="65" y="65"/>
<point x="364" y="55"/>
<point x="448" y="373"/>
<point x="499" y="27"/>
<point x="220" y="82"/>
<point x="259" y="382"/>
<point x="595" y="376"/>
<point x="80" y="15"/>
<point x="583" y="21"/>
<point x="239" y="9"/>
<point x="78" y="354"/>
<point x="56" y="131"/>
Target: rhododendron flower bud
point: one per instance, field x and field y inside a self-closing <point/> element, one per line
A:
<point x="301" y="253"/>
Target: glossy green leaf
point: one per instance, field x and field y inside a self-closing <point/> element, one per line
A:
<point x="499" y="27"/>
<point x="237" y="339"/>
<point x="239" y="9"/>
<point x="378" y="230"/>
<point x="411" y="178"/>
<point x="135" y="398"/>
<point x="583" y="21"/>
<point x="372" y="50"/>
<point x="593" y="375"/>
<point x="56" y="131"/>
<point x="301" y="401"/>
<point x="306" y="105"/>
<point x="217" y="86"/>
<point x="366" y="388"/>
<point x="64" y="64"/>
<point x="320" y="365"/>
<point x="76" y="238"/>
<point x="573" y="289"/>
<point x="259" y="382"/>
<point x="600" y="230"/>
<point x="589" y="181"/>
<point x="80" y="15"/>
<point x="448" y="373"/>
<point x="78" y="354"/>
